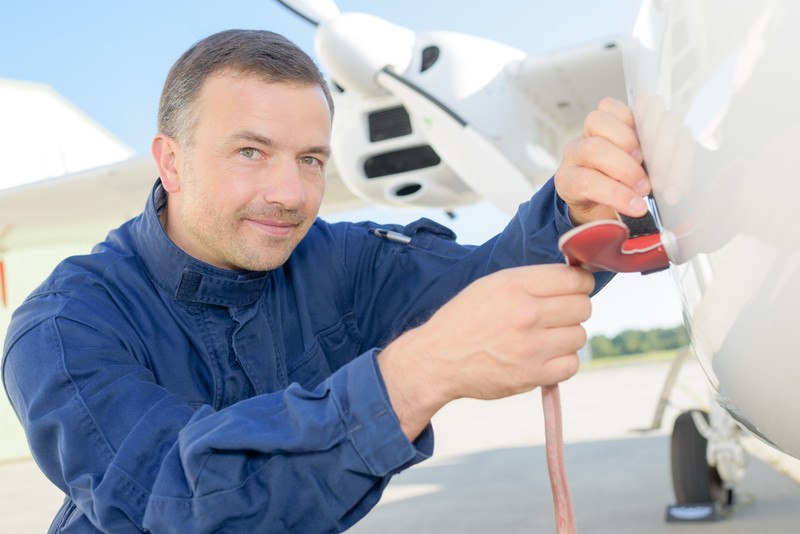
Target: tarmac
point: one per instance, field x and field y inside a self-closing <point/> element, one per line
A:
<point x="489" y="473"/>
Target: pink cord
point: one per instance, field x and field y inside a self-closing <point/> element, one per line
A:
<point x="554" y="445"/>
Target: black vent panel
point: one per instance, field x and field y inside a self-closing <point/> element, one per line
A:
<point x="408" y="159"/>
<point x="389" y="123"/>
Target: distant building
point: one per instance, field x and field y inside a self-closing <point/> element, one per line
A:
<point x="43" y="135"/>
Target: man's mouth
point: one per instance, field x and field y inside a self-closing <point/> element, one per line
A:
<point x="272" y="227"/>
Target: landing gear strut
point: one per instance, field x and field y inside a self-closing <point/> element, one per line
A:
<point x="707" y="458"/>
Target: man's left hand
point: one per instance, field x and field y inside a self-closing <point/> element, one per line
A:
<point x="602" y="173"/>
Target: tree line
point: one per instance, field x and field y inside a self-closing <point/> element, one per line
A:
<point x="639" y="341"/>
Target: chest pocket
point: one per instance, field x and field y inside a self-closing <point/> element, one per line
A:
<point x="332" y="348"/>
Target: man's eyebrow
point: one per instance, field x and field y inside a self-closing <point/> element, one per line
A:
<point x="247" y="135"/>
<point x="321" y="150"/>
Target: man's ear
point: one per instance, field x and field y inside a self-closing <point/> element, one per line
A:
<point x="167" y="154"/>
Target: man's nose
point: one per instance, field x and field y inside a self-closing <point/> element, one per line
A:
<point x="284" y="185"/>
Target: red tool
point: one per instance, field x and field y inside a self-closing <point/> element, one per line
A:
<point x="607" y="245"/>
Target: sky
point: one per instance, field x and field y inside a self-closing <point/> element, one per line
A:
<point x="110" y="60"/>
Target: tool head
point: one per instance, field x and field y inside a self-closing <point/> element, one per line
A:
<point x="606" y="245"/>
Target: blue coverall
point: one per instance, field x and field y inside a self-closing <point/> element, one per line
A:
<point x="163" y="394"/>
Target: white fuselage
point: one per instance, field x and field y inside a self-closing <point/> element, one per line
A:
<point x="714" y="88"/>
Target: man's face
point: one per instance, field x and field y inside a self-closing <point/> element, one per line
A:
<point x="252" y="176"/>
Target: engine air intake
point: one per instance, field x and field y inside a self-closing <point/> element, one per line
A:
<point x="389" y="123"/>
<point x="408" y="159"/>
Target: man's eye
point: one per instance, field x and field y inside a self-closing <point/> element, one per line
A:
<point x="248" y="152"/>
<point x="310" y="160"/>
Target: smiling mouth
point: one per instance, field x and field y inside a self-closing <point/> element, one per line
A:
<point x="272" y="228"/>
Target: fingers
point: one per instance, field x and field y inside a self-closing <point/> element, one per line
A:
<point x="609" y="152"/>
<point x="615" y="129"/>
<point x="618" y="109"/>
<point x="563" y="341"/>
<point x="613" y="121"/>
<point x="559" y="368"/>
<point x="563" y="310"/>
<point x="598" y="172"/>
<point x="549" y="280"/>
<point x="595" y="188"/>
<point x="561" y="346"/>
<point x="603" y="168"/>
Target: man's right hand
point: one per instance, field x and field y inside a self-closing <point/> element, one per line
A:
<point x="506" y="333"/>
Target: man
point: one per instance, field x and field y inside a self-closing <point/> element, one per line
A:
<point x="228" y="362"/>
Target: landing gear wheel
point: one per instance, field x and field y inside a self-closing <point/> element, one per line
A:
<point x="693" y="480"/>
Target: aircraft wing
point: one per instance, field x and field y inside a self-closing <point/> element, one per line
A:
<point x="566" y="85"/>
<point x="58" y="209"/>
<point x="54" y="209"/>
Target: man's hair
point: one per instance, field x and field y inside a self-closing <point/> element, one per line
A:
<point x="268" y="55"/>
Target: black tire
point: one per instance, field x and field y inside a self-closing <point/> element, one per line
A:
<point x="693" y="480"/>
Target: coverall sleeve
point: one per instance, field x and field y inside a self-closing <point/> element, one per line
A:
<point x="133" y="456"/>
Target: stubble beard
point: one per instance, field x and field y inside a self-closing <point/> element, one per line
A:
<point x="229" y="241"/>
<point x="265" y="253"/>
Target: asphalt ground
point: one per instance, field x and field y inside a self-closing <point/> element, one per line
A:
<point x="489" y="473"/>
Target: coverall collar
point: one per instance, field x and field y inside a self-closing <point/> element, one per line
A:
<point x="184" y="277"/>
